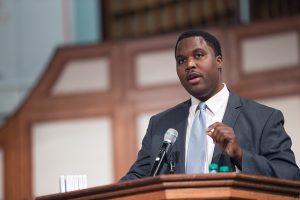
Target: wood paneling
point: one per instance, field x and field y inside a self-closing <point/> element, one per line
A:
<point x="126" y="100"/>
<point x="269" y="83"/>
<point x="190" y="186"/>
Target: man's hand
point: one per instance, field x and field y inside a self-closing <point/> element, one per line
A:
<point x="224" y="136"/>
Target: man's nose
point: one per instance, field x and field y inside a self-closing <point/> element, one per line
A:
<point x="191" y="63"/>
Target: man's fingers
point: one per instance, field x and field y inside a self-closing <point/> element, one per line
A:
<point x="212" y="126"/>
<point x="210" y="130"/>
<point x="220" y="133"/>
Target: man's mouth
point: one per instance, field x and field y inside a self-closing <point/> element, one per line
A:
<point x="193" y="77"/>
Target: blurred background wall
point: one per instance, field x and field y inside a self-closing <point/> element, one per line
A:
<point x="95" y="69"/>
<point x="30" y="31"/>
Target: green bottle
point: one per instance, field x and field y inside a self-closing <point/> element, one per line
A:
<point x="224" y="169"/>
<point x="213" y="168"/>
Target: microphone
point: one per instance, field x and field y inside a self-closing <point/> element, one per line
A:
<point x="169" y="139"/>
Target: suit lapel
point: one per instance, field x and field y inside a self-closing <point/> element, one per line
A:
<point x="179" y="146"/>
<point x="231" y="114"/>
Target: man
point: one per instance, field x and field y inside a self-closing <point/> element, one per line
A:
<point x="240" y="133"/>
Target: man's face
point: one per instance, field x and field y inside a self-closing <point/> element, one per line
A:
<point x="198" y="67"/>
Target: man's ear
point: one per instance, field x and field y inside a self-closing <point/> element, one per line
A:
<point x="219" y="61"/>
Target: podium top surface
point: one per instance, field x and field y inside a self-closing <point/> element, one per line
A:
<point x="232" y="180"/>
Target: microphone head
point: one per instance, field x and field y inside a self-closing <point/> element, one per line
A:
<point x="170" y="136"/>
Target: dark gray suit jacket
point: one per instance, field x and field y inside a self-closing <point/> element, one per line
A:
<point x="258" y="128"/>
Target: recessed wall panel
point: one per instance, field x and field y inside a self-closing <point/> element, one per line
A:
<point x="270" y="52"/>
<point x="71" y="147"/>
<point x="156" y="68"/>
<point x="290" y="107"/>
<point x="87" y="75"/>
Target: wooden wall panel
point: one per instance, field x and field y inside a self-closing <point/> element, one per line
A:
<point x="270" y="52"/>
<point x="83" y="76"/>
<point x="126" y="100"/>
<point x="77" y="146"/>
<point x="280" y="81"/>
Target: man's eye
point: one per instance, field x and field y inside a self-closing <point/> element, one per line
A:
<point x="198" y="55"/>
<point x="180" y="61"/>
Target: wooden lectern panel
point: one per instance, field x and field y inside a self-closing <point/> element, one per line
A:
<point x="176" y="187"/>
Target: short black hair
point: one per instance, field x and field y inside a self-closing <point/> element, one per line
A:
<point x="211" y="40"/>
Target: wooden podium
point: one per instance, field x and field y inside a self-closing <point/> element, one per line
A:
<point x="206" y="186"/>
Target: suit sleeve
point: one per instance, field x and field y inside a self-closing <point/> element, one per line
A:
<point x="142" y="166"/>
<point x="275" y="158"/>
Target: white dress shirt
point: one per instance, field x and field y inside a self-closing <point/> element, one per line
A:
<point x="214" y="112"/>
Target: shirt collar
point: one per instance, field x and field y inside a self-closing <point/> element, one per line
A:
<point x="214" y="103"/>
